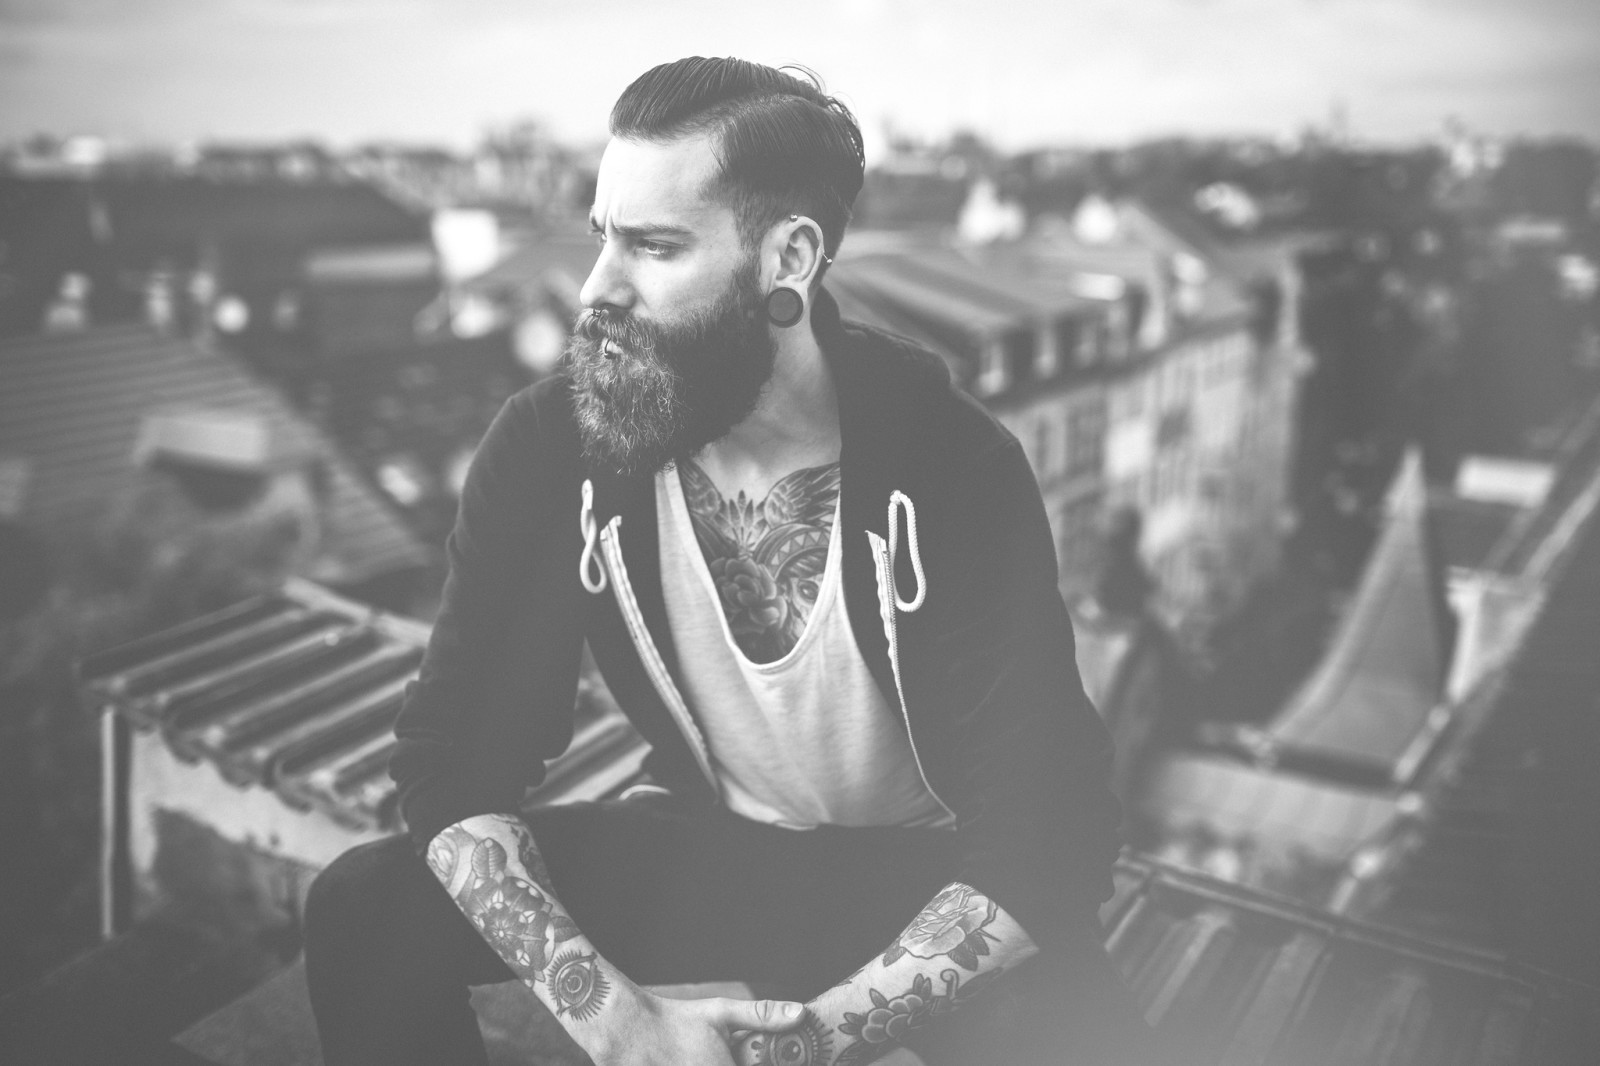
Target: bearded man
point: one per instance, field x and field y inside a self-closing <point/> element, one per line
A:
<point x="820" y="581"/>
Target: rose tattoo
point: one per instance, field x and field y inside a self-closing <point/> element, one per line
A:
<point x="952" y="925"/>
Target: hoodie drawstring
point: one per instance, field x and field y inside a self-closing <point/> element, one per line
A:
<point x="591" y="568"/>
<point x="898" y="500"/>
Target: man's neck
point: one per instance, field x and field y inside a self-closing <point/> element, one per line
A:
<point x="794" y="425"/>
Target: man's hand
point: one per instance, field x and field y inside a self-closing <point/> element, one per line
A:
<point x="960" y="943"/>
<point x="643" y="1029"/>
<point x="809" y="1043"/>
<point x="490" y="865"/>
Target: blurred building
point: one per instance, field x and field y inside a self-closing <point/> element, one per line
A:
<point x="190" y="254"/>
<point x="346" y="299"/>
<point x="1414" y="774"/>
<point x="1141" y="369"/>
<point x="143" y="450"/>
<point x="517" y="169"/>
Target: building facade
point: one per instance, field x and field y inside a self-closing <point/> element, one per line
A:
<point x="1141" y="372"/>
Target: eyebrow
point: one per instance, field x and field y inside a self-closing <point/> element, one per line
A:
<point x="645" y="229"/>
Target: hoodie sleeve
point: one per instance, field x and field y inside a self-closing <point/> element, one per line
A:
<point x="1038" y="826"/>
<point x="494" y="698"/>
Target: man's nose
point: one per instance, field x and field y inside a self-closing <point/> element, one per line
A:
<point x="608" y="284"/>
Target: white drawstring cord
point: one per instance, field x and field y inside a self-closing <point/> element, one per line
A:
<point x="589" y="562"/>
<point x="898" y="499"/>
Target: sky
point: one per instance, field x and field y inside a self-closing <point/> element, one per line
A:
<point x="1024" y="73"/>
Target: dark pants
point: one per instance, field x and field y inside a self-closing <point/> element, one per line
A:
<point x="673" y="897"/>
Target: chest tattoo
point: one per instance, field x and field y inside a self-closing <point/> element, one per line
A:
<point x="766" y="557"/>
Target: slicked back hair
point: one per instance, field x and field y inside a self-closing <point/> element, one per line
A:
<point x="783" y="146"/>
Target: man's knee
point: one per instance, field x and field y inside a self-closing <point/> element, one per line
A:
<point x="350" y="893"/>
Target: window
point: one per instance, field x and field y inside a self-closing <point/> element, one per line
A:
<point x="1085" y="439"/>
<point x="1184" y="374"/>
<point x="1160" y="483"/>
<point x="1067" y="338"/>
<point x="1044" y="457"/>
<point x="1138" y="303"/>
<point x="1124" y="493"/>
<point x="1127" y="401"/>
<point x="1020" y="345"/>
<point x="1047" y="352"/>
<point x="1266" y="307"/>
<point x="994" y="375"/>
<point x="1173" y="428"/>
<point x="1117" y="344"/>
<point x="1078" y="537"/>
<point x="1091" y="342"/>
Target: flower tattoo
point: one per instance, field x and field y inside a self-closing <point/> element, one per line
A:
<point x="515" y="916"/>
<point x="890" y="1020"/>
<point x="443" y="853"/>
<point x="952" y="925"/>
<point x="749" y="595"/>
<point x="516" y="922"/>
<point x="766" y="558"/>
<point x="577" y="986"/>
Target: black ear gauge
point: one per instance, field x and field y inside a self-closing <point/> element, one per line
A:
<point x="784" y="307"/>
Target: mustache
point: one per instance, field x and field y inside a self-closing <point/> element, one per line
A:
<point x="624" y="330"/>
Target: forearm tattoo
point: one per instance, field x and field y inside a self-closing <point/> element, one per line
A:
<point x="766" y="558"/>
<point x="808" y="1044"/>
<point x="576" y="985"/>
<point x="953" y="925"/>
<point x="892" y="1018"/>
<point x="517" y="915"/>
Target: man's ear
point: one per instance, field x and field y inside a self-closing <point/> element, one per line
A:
<point x="800" y="252"/>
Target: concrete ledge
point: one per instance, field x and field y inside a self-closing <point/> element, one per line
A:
<point x="120" y="1003"/>
<point x="272" y="1026"/>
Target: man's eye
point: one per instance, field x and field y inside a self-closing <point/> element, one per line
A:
<point x="655" y="249"/>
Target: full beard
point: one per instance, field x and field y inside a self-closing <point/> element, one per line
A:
<point x="676" y="387"/>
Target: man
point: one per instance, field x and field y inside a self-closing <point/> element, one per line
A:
<point x="820" y="581"/>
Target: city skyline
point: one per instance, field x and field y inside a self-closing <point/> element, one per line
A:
<point x="1099" y="71"/>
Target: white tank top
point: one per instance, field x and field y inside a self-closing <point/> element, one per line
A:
<point x="805" y="740"/>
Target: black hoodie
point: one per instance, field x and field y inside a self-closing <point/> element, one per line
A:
<point x="982" y="670"/>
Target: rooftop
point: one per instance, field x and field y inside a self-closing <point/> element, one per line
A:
<point x="72" y="405"/>
<point x="1509" y="840"/>
<point x="1241" y="977"/>
<point x="1362" y="711"/>
<point x="1232" y="976"/>
<point x="296" y="692"/>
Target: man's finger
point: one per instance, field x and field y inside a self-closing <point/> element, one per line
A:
<point x="746" y="1047"/>
<point x="767" y="1015"/>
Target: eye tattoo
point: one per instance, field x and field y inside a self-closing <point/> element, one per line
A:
<point x="809" y="1045"/>
<point x="577" y="986"/>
